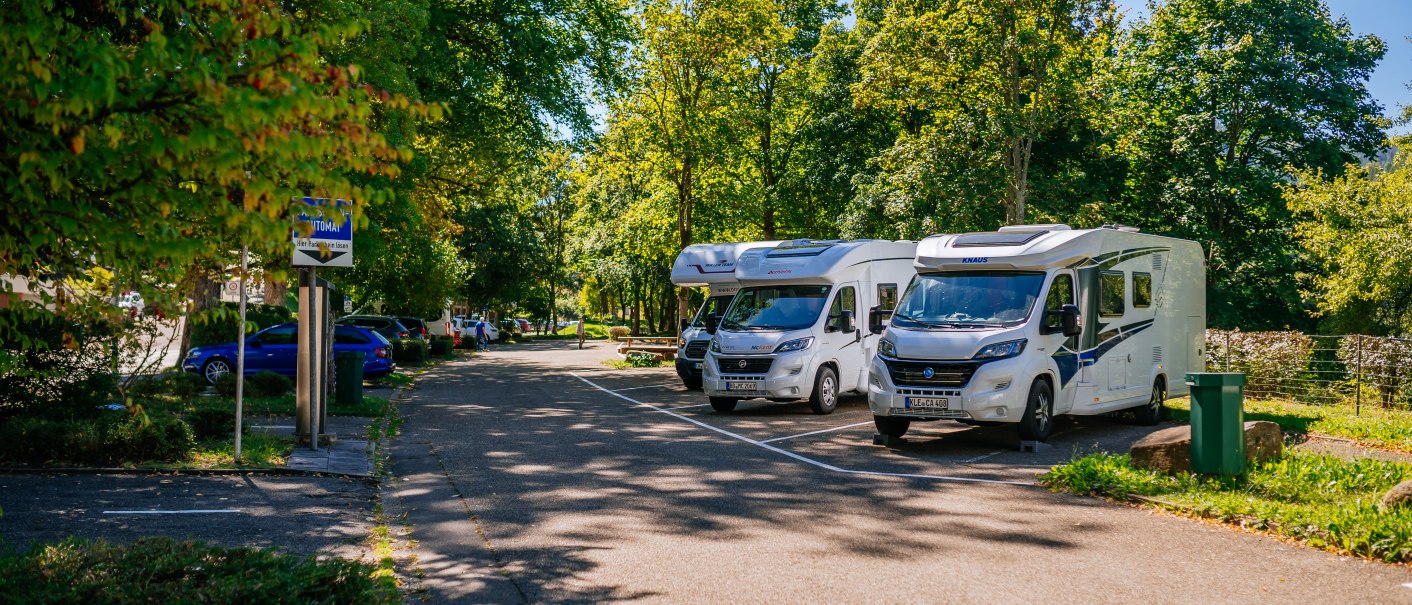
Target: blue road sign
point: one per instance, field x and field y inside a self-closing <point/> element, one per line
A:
<point x="320" y="240"/>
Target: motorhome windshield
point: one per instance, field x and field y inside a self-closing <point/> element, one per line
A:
<point x="715" y="305"/>
<point x="965" y="300"/>
<point x="775" y="308"/>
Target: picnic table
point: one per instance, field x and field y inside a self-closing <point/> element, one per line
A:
<point x="665" y="346"/>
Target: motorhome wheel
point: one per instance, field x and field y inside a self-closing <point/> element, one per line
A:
<point x="891" y="426"/>
<point x="1151" y="413"/>
<point x="825" y="396"/>
<point x="1038" y="420"/>
<point x="724" y="404"/>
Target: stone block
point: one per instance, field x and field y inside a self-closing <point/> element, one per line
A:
<point x="1169" y="450"/>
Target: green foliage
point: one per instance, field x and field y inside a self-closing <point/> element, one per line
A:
<point x="213" y="421"/>
<point x="184" y="385"/>
<point x="225" y="384"/>
<point x="441" y="345"/>
<point x="1356" y="229"/>
<point x="410" y="351"/>
<point x="268" y="384"/>
<point x="643" y="359"/>
<point x="220" y="325"/>
<point x="112" y="438"/>
<point x="1268" y="359"/>
<point x="614" y="333"/>
<point x="1325" y="501"/>
<point x="1373" y="426"/>
<point x="59" y="367"/>
<point x="161" y="569"/>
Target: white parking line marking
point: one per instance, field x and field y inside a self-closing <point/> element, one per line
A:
<point x="171" y="512"/>
<point x="793" y="455"/>
<point x="980" y="458"/>
<point x="837" y="428"/>
<point x="687" y="407"/>
<point x="642" y="387"/>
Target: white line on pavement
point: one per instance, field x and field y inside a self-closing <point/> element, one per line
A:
<point x="793" y="455"/>
<point x="687" y="407"/>
<point x="171" y="512"/>
<point x="642" y="387"/>
<point x="837" y="428"/>
<point x="980" y="458"/>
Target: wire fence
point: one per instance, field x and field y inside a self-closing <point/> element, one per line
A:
<point x="1353" y="370"/>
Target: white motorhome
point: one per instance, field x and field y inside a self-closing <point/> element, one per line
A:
<point x="711" y="266"/>
<point x="1032" y="321"/>
<point x="790" y="332"/>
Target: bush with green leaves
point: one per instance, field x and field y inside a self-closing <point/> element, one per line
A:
<point x="184" y="385"/>
<point x="55" y="367"/>
<point x="224" y="384"/>
<point x="214" y="421"/>
<point x="162" y="570"/>
<point x="643" y="359"/>
<point x="617" y="332"/>
<point x="1271" y="361"/>
<point x="113" y="437"/>
<point x="410" y="351"/>
<point x="268" y="384"/>
<point x="441" y="345"/>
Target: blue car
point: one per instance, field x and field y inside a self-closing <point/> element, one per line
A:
<point x="273" y="349"/>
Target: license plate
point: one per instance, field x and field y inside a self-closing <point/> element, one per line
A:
<point x="742" y="386"/>
<point x="927" y="403"/>
<point x="696" y="365"/>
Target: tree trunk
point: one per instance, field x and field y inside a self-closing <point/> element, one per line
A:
<point x="275" y="290"/>
<point x="205" y="295"/>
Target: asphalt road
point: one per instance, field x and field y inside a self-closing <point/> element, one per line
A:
<point x="535" y="474"/>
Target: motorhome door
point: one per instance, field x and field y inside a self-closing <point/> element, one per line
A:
<point x="1064" y="349"/>
<point x="846" y="345"/>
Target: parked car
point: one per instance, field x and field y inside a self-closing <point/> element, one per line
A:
<point x="132" y="302"/>
<point x="388" y="327"/>
<point x="511" y="328"/>
<point x="524" y="325"/>
<point x="275" y="349"/>
<point x="416" y="325"/>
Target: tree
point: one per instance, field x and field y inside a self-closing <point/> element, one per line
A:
<point x="981" y="81"/>
<point x="1357" y="230"/>
<point x="1217" y="99"/>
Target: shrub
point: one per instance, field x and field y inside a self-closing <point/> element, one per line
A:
<point x="616" y="332"/>
<point x="63" y="371"/>
<point x="112" y="438"/>
<point x="410" y="351"/>
<point x="184" y="385"/>
<point x="441" y="345"/>
<point x="643" y="359"/>
<point x="1272" y="361"/>
<point x="162" y="570"/>
<point x="213" y="422"/>
<point x="268" y="384"/>
<point x="1386" y="365"/>
<point x="139" y="438"/>
<point x="225" y="384"/>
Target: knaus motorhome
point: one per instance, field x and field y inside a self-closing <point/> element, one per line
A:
<point x="1032" y="321"/>
<point x="712" y="266"/>
<point x="791" y="333"/>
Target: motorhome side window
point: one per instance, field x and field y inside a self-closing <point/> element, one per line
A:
<point x="715" y="305"/>
<point x="887" y="296"/>
<point x="1110" y="293"/>
<point x="845" y="301"/>
<point x="1061" y="293"/>
<point x="1142" y="290"/>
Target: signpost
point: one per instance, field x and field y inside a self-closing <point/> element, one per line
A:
<point x="319" y="241"/>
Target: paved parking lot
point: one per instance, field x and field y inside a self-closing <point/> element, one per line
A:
<point x="533" y="473"/>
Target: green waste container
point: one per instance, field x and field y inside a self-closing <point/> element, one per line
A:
<point x="1217" y="423"/>
<point x="348" y="390"/>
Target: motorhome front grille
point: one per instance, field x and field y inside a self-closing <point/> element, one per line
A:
<point x="744" y="365"/>
<point x="934" y="413"/>
<point x="928" y="393"/>
<point x="696" y="349"/>
<point x="930" y="373"/>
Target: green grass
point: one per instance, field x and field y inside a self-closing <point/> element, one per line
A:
<point x="162" y="570"/>
<point x="1323" y="501"/>
<point x="256" y="451"/>
<point x="1384" y="428"/>
<point x="591" y="331"/>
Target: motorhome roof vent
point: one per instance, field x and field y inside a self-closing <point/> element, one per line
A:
<point x="1121" y="227"/>
<point x="801" y="247"/>
<point x="1027" y="228"/>
<point x="1001" y="238"/>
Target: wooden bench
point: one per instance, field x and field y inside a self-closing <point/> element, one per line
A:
<point x="665" y="346"/>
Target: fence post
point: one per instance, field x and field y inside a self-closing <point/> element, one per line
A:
<point x="1358" y="381"/>
<point x="1228" y="350"/>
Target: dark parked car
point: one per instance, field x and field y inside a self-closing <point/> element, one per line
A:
<point x="274" y="349"/>
<point x="416" y="325"/>
<point x="388" y="327"/>
<point x="510" y="328"/>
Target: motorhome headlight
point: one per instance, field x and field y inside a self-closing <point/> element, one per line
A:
<point x="798" y="344"/>
<point x="1001" y="350"/>
<point x="715" y="346"/>
<point x="885" y="347"/>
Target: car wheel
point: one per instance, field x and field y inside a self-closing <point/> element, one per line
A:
<point x="1151" y="412"/>
<point x="891" y="426"/>
<point x="214" y="369"/>
<point x="1038" y="420"/>
<point x="693" y="384"/>
<point x="825" y="396"/>
<point x="724" y="404"/>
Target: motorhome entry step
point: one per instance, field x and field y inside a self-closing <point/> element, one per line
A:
<point x="1033" y="446"/>
<point x="881" y="439"/>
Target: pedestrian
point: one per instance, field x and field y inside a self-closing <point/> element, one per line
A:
<point x="482" y="339"/>
<point x="580" y="332"/>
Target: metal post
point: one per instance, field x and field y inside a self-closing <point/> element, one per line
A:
<point x="1358" y="381"/>
<point x="1228" y="350"/>
<point x="240" y="353"/>
<point x="305" y="399"/>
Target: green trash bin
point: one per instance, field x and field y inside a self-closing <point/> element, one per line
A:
<point x="348" y="390"/>
<point x="1217" y="423"/>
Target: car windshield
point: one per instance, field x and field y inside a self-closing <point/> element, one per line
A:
<point x="715" y="305"/>
<point x="972" y="299"/>
<point x="775" y="308"/>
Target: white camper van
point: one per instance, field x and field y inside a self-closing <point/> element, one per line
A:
<point x="1032" y="321"/>
<point x="711" y="266"/>
<point x="792" y="330"/>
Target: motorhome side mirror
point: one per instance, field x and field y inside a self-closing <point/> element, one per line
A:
<point x="845" y="322"/>
<point x="712" y="321"/>
<point x="875" y="319"/>
<point x="1069" y="320"/>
